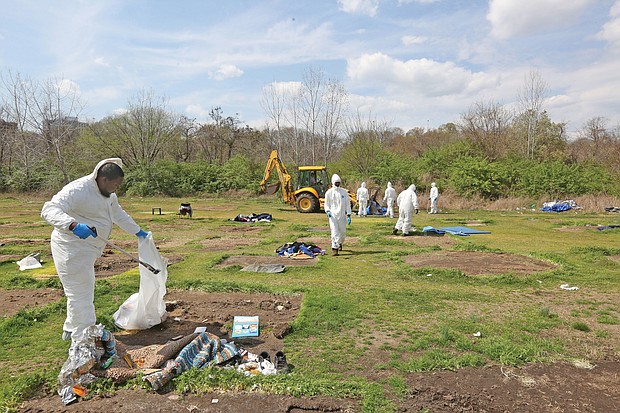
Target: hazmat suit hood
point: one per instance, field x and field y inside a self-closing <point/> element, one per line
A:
<point x="363" y="184"/>
<point x="389" y="185"/>
<point x="433" y="185"/>
<point x="412" y="187"/>
<point x="335" y="178"/>
<point x="117" y="161"/>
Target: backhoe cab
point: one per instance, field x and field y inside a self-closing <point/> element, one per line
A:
<point x="309" y="193"/>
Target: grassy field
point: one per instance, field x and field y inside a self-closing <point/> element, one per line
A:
<point x="368" y="318"/>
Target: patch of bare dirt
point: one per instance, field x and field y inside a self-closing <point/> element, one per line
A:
<point x="113" y="262"/>
<point x="426" y="240"/>
<point x="243" y="227"/>
<point x="479" y="263"/>
<point x="575" y="228"/>
<point x="19" y="241"/>
<point x="142" y="401"/>
<point x="12" y="301"/>
<point x="227" y="243"/>
<point x="558" y="387"/>
<point x="244" y="260"/>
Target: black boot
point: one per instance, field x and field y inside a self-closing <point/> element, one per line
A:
<point x="334" y="251"/>
<point x="395" y="232"/>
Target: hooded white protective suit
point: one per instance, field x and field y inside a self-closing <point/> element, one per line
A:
<point x="338" y="205"/>
<point x="362" y="199"/>
<point x="407" y="202"/>
<point x="390" y="197"/>
<point x="433" y="197"/>
<point x="81" y="201"/>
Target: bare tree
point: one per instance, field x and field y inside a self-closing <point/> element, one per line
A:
<point x="531" y="98"/>
<point x="487" y="126"/>
<point x="273" y="102"/>
<point x="311" y="99"/>
<point x="142" y="134"/>
<point x="335" y="101"/>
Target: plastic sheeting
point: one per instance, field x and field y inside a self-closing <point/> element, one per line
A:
<point x="146" y="308"/>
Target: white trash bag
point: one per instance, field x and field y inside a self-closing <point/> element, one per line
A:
<point x="146" y="308"/>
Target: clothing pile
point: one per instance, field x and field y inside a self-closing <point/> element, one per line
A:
<point x="612" y="209"/>
<point x="293" y="249"/>
<point x="559" y="206"/>
<point x="264" y="217"/>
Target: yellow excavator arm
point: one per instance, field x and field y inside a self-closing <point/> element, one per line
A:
<point x="284" y="179"/>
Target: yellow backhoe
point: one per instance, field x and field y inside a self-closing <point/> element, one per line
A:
<point x="312" y="182"/>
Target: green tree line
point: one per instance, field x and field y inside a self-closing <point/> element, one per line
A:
<point x="490" y="152"/>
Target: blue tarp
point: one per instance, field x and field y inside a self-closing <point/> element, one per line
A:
<point x="557" y="207"/>
<point x="464" y="231"/>
<point x="433" y="230"/>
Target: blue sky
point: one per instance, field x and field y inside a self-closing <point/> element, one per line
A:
<point x="412" y="63"/>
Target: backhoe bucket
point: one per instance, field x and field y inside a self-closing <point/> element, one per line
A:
<point x="272" y="189"/>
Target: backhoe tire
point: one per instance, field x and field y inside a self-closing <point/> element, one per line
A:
<point x="307" y="203"/>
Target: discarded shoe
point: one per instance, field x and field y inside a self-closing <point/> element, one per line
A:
<point x="281" y="364"/>
<point x="264" y="356"/>
<point x="66" y="335"/>
<point x="334" y="251"/>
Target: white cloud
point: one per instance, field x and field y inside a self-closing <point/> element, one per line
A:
<point x="225" y="72"/>
<point x="411" y="40"/>
<point x="422" y="77"/>
<point x="367" y="7"/>
<point x="284" y="88"/>
<point x="69" y="87"/>
<point x="416" y="1"/>
<point x="198" y="111"/>
<point x="611" y="30"/>
<point x="101" y="61"/>
<point x="510" y="18"/>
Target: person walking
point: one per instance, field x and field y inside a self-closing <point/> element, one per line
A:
<point x="407" y="202"/>
<point x="433" y="198"/>
<point x="389" y="196"/>
<point x="338" y="210"/>
<point x="362" y="200"/>
<point x="79" y="212"/>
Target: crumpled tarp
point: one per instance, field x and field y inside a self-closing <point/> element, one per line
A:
<point x="291" y="249"/>
<point x="267" y="268"/>
<point x="264" y="217"/>
<point x="559" y="206"/>
<point x="30" y="261"/>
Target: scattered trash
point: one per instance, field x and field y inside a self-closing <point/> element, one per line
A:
<point x="215" y="401"/>
<point x="264" y="217"/>
<point x="293" y="249"/>
<point x="477" y="334"/>
<point x="603" y="227"/>
<point x="200" y="329"/>
<point x="429" y="275"/>
<point x="568" y="287"/>
<point x="559" y="206"/>
<point x="30" y="261"/>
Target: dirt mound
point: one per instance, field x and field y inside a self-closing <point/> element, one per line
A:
<point x="11" y="301"/>
<point x="479" y="263"/>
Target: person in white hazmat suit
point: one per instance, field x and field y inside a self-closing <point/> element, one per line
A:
<point x="362" y="200"/>
<point x="389" y="196"/>
<point x="433" y="198"/>
<point x="86" y="203"/>
<point x="338" y="210"/>
<point x="407" y="202"/>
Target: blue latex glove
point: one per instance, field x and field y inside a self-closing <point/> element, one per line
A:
<point x="141" y="233"/>
<point x="349" y="219"/>
<point x="329" y="214"/>
<point x="83" y="231"/>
